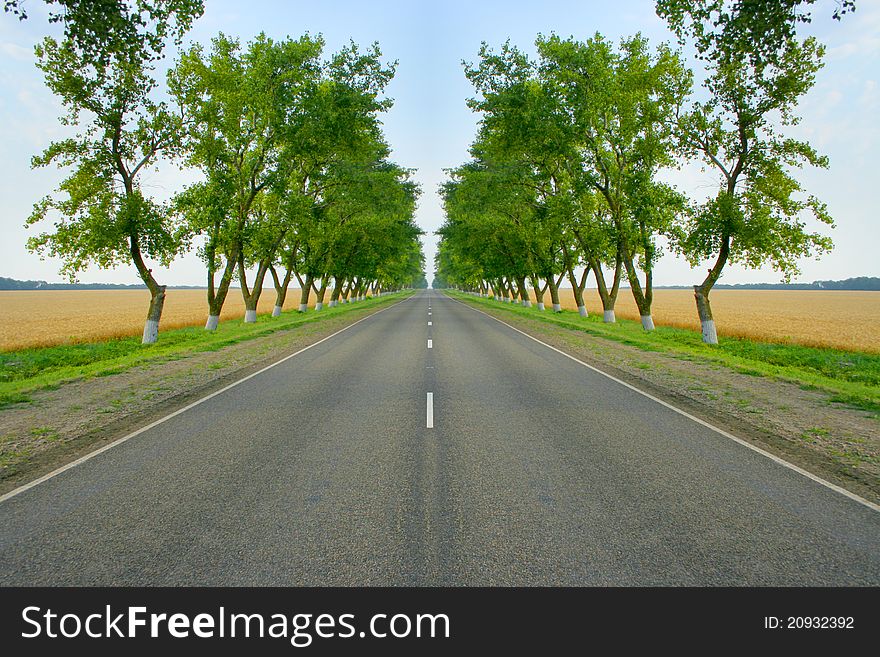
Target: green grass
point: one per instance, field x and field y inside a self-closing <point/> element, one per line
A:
<point x="851" y="378"/>
<point x="28" y="370"/>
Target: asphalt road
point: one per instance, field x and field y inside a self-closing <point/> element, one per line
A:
<point x="537" y="471"/>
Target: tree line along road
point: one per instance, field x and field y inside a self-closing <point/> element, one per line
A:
<point x="430" y="444"/>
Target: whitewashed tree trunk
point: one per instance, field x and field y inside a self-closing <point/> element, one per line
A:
<point x="557" y="308"/>
<point x="212" y="323"/>
<point x="319" y="306"/>
<point x="154" y="314"/>
<point x="276" y="311"/>
<point x="608" y="317"/>
<point x="647" y="322"/>
<point x="707" y="322"/>
<point x="151" y="332"/>
<point x="250" y="316"/>
<point x="710" y="335"/>
<point x="303" y="307"/>
<point x="527" y="303"/>
<point x="541" y="306"/>
<point x="582" y="311"/>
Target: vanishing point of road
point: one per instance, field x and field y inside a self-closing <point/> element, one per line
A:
<point x="430" y="444"/>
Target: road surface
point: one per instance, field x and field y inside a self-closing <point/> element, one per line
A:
<point x="432" y="445"/>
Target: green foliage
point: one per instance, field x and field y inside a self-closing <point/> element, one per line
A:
<point x="564" y="165"/>
<point x="101" y="215"/>
<point x="758" y="69"/>
<point x="296" y="169"/>
<point x="100" y="29"/>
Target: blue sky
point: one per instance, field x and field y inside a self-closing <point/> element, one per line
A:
<point x="430" y="127"/>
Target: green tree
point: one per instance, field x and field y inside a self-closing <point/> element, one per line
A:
<point x="623" y="103"/>
<point x="101" y="213"/>
<point x="106" y="27"/>
<point x="240" y="104"/>
<point x="335" y="137"/>
<point x="757" y="216"/>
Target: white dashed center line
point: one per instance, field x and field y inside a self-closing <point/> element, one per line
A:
<point x="430" y="344"/>
<point x="430" y="410"/>
<point x="429" y="324"/>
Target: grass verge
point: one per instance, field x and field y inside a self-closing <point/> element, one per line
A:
<point x="28" y="370"/>
<point x="851" y="378"/>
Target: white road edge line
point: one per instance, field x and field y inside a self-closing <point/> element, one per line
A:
<point x="430" y="344"/>
<point x="744" y="443"/>
<point x="430" y="410"/>
<point x="429" y="323"/>
<point x="119" y="441"/>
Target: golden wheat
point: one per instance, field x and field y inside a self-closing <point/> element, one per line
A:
<point x="42" y="318"/>
<point x="819" y="318"/>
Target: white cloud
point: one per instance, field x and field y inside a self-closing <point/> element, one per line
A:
<point x="16" y="52"/>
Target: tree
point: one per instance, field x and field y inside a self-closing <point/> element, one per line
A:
<point x="586" y="129"/>
<point x="488" y="228"/>
<point x="336" y="132"/>
<point x="623" y="103"/>
<point x="104" y="216"/>
<point x="756" y="217"/>
<point x="240" y="105"/>
<point x="525" y="137"/>
<point x="101" y="28"/>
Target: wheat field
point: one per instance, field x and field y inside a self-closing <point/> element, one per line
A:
<point x="819" y="318"/>
<point x="41" y="318"/>
<point x="840" y="319"/>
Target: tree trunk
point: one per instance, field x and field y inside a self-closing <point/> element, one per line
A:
<point x="304" y="293"/>
<point x="157" y="292"/>
<point x="553" y="283"/>
<point x="643" y="301"/>
<point x="154" y="314"/>
<point x="701" y="294"/>
<point x="320" y="292"/>
<point x="704" y="310"/>
<point x="577" y="289"/>
<point x="334" y="296"/>
<point x="523" y="292"/>
<point x="252" y="297"/>
<point x="280" y="290"/>
<point x="608" y="297"/>
<point x="539" y="292"/>
<point x="216" y="298"/>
